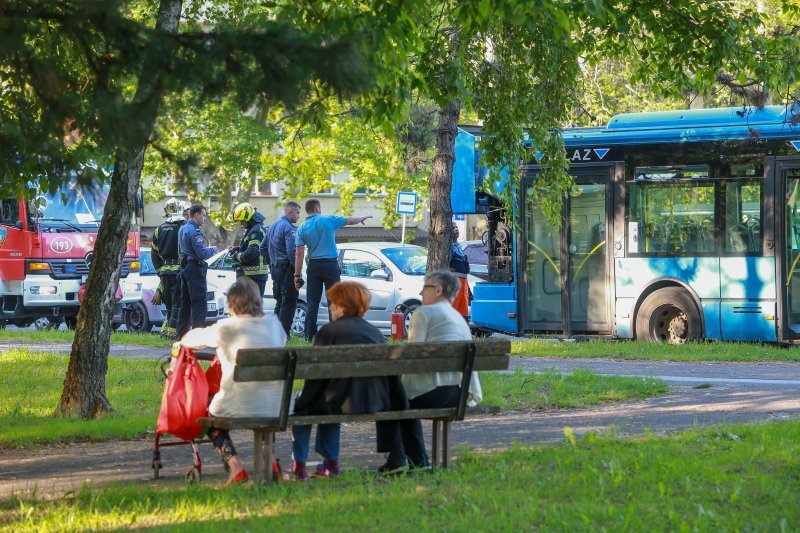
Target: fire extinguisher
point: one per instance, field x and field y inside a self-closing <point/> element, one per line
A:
<point x="398" y="324"/>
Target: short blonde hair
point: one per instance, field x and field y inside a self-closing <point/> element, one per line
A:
<point x="352" y="297"/>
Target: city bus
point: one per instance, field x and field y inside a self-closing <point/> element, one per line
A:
<point x="681" y="225"/>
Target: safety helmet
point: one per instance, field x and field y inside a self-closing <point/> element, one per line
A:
<point x="243" y="212"/>
<point x="173" y="209"/>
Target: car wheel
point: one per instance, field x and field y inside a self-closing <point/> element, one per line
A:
<point x="299" y="321"/>
<point x="407" y="316"/>
<point x="71" y="322"/>
<point x="136" y="319"/>
<point x="44" y="323"/>
<point x="668" y="315"/>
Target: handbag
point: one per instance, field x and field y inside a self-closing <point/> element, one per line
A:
<point x="185" y="398"/>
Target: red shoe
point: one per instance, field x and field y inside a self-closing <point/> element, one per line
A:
<point x="299" y="471"/>
<point x="241" y="477"/>
<point x="329" y="468"/>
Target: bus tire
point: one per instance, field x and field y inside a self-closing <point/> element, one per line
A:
<point x="668" y="315"/>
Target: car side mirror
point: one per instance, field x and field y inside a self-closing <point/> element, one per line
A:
<point x="381" y="274"/>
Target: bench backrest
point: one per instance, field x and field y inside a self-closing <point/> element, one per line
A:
<point x="369" y="360"/>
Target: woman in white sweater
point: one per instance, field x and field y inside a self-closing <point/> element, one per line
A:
<point x="435" y="321"/>
<point x="247" y="327"/>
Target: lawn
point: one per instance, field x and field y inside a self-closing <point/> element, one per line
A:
<point x="731" y="478"/>
<point x="31" y="384"/>
<point x="66" y="336"/>
<point x="698" y="351"/>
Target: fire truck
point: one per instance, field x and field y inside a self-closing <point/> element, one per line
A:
<point x="46" y="250"/>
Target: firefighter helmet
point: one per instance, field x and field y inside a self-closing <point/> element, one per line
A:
<point x="243" y="212"/>
<point x="173" y="209"/>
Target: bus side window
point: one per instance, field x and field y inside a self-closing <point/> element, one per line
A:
<point x="9" y="212"/>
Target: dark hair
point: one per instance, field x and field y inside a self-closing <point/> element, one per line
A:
<point x="244" y="298"/>
<point x="291" y="203"/>
<point x="196" y="208"/>
<point x="312" y="205"/>
<point x="447" y="281"/>
<point x="352" y="297"/>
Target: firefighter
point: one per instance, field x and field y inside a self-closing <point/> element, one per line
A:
<point x="194" y="252"/>
<point x="166" y="260"/>
<point x="247" y="256"/>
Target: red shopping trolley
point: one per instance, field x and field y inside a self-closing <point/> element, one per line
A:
<point x="186" y="396"/>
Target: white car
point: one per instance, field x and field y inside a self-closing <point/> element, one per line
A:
<point x="143" y="316"/>
<point x="394" y="274"/>
<point x="222" y="272"/>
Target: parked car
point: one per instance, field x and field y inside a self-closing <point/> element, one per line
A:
<point x="478" y="255"/>
<point x="143" y="316"/>
<point x="393" y="273"/>
<point x="222" y="270"/>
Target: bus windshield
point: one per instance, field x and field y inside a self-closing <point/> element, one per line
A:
<point x="74" y="205"/>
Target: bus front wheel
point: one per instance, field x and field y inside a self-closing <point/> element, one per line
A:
<point x="668" y="315"/>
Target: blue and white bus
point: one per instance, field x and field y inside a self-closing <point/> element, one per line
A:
<point x="681" y="225"/>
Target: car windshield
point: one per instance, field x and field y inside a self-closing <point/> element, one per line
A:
<point x="74" y="204"/>
<point x="146" y="268"/>
<point x="410" y="260"/>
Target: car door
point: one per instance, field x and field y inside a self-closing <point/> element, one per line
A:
<point x="366" y="268"/>
<point x="222" y="272"/>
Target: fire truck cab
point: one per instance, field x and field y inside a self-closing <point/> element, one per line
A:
<point x="46" y="250"/>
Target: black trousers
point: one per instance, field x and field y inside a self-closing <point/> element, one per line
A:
<point x="285" y="293"/>
<point x="409" y="432"/>
<point x="171" y="295"/>
<point x="193" y="298"/>
<point x="261" y="281"/>
<point x="319" y="272"/>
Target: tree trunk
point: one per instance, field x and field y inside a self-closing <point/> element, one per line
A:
<point x="441" y="230"/>
<point x="84" y="391"/>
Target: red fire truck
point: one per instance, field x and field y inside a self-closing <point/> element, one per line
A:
<point x="46" y="250"/>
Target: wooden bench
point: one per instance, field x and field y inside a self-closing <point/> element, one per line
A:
<point x="350" y="361"/>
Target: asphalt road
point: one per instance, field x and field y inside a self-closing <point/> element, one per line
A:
<point x="728" y="392"/>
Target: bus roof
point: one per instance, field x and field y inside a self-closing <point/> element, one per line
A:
<point x="691" y="125"/>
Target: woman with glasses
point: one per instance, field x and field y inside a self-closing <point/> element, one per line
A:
<point x="436" y="320"/>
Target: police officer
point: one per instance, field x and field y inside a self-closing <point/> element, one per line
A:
<point x="193" y="248"/>
<point x="318" y="233"/>
<point x="279" y="248"/>
<point x="166" y="260"/>
<point x="247" y="256"/>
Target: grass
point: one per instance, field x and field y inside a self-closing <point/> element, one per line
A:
<point x="523" y="390"/>
<point x="637" y="350"/>
<point x="66" y="337"/>
<point x="31" y="384"/>
<point x="731" y="478"/>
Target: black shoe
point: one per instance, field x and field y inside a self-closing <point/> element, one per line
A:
<point x="392" y="469"/>
<point x="423" y="467"/>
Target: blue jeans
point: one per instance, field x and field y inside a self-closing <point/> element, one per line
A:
<point x="327" y="443"/>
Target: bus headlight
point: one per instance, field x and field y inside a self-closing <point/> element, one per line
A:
<point x="44" y="289"/>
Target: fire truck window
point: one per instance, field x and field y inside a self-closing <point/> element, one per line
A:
<point x="9" y="212"/>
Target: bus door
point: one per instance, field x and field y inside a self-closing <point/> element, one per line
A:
<point x="787" y="172"/>
<point x="567" y="285"/>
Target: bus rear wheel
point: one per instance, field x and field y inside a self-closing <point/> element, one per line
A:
<point x="668" y="315"/>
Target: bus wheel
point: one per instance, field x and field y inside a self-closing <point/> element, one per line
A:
<point x="668" y="315"/>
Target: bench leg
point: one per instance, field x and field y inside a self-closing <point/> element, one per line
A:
<point x="269" y="456"/>
<point x="258" y="470"/>
<point x="446" y="444"/>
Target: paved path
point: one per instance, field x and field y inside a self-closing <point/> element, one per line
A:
<point x="738" y="392"/>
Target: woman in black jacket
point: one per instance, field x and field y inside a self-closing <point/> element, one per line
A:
<point x="347" y="304"/>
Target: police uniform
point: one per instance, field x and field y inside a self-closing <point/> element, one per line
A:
<point x="193" y="248"/>
<point x="166" y="260"/>
<point x="248" y="259"/>
<point x="279" y="248"/>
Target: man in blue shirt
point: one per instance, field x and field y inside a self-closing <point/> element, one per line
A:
<point x="194" y="252"/>
<point x="318" y="234"/>
<point x="279" y="248"/>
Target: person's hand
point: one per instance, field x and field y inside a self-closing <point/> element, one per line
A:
<point x="298" y="282"/>
<point x="365" y="218"/>
<point x="157" y="297"/>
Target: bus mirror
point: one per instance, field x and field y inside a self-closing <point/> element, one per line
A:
<point x="18" y="224"/>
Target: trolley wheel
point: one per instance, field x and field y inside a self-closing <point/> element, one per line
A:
<point x="668" y="315"/>
<point x="193" y="476"/>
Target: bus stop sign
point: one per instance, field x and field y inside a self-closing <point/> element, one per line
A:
<point x="407" y="203"/>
